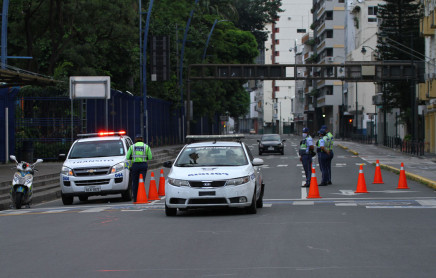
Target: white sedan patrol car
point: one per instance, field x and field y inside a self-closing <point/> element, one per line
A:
<point x="214" y="174"/>
<point x="96" y="165"/>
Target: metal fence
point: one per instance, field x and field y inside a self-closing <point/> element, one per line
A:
<point x="416" y="147"/>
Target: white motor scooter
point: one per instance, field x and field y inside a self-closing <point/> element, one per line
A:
<point x="21" y="189"/>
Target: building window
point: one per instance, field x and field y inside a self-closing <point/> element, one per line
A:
<point x="329" y="34"/>
<point x="277" y="53"/>
<point x="372" y="19"/>
<point x="277" y="41"/>
<point x="329" y="15"/>
<point x="372" y="10"/>
<point x="276" y="30"/>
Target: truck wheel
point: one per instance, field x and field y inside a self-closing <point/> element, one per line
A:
<point x="67" y="200"/>
<point x="170" y="211"/>
<point x="127" y="195"/>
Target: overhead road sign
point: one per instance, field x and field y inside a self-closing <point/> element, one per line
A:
<point x="357" y="71"/>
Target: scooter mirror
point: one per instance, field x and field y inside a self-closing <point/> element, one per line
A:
<point x="13" y="158"/>
<point x="39" y="160"/>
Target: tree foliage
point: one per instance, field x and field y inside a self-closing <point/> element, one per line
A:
<point x="399" y="22"/>
<point x="95" y="37"/>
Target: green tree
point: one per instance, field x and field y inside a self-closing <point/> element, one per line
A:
<point x="399" y="21"/>
<point x="255" y="14"/>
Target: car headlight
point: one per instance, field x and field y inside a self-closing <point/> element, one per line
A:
<point x="177" y="182"/>
<point x="67" y="171"/>
<point x="238" y="181"/>
<point x="117" y="168"/>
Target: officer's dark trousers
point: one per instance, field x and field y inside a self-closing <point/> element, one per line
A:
<point x="306" y="159"/>
<point x="137" y="169"/>
<point x="323" y="158"/>
<point x="329" y="166"/>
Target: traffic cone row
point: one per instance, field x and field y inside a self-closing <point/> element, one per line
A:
<point x="153" y="193"/>
<point x="361" y="184"/>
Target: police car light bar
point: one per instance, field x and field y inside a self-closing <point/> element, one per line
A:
<point x="237" y="137"/>
<point x="102" y="133"/>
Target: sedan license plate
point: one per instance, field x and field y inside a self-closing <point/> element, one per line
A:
<point x="206" y="193"/>
<point x="92" y="189"/>
<point x="270" y="148"/>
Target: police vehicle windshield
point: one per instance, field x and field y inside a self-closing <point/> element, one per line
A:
<point x="101" y="148"/>
<point x="212" y="156"/>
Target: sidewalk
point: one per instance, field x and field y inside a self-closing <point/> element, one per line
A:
<point x="419" y="168"/>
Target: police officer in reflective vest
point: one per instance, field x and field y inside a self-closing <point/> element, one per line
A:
<point x="330" y="147"/>
<point x="323" y="157"/>
<point x="139" y="154"/>
<point x="305" y="152"/>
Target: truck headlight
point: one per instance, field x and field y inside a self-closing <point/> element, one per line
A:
<point x="117" y="168"/>
<point x="238" y="181"/>
<point x="67" y="171"/>
<point x="177" y="182"/>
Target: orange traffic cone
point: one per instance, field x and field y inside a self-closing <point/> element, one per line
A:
<point x="377" y="176"/>
<point x="402" y="183"/>
<point x="141" y="197"/>
<point x="152" y="190"/>
<point x="313" y="189"/>
<point x="161" y="191"/>
<point x="361" y="184"/>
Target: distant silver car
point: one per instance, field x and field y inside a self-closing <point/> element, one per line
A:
<point x="271" y="143"/>
<point x="214" y="174"/>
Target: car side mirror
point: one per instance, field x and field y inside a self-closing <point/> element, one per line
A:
<point x="258" y="140"/>
<point x="257" y="162"/>
<point x="284" y="140"/>
<point x="168" y="164"/>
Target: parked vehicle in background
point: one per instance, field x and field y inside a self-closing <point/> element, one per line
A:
<point x="214" y="173"/>
<point x="252" y="131"/>
<point x="22" y="184"/>
<point x="96" y="165"/>
<point x="271" y="143"/>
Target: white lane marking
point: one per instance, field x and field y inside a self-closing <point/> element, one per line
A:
<point x="303" y="203"/>
<point x="55" y="211"/>
<point x="346" y="193"/>
<point x="282" y="165"/>
<point x="267" y="205"/>
<point x="303" y="193"/>
<point x="132" y="210"/>
<point x="98" y="209"/>
<point x="346" y="204"/>
<point x="299" y="165"/>
<point x="427" y="202"/>
<point x="402" y="207"/>
<point x="341" y="164"/>
<point x="358" y="164"/>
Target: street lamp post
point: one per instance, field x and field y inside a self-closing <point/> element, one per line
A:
<point x="210" y="35"/>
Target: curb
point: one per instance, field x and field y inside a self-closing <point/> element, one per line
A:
<point x="427" y="182"/>
<point x="347" y="149"/>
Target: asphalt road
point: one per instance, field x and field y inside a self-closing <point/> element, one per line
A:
<point x="384" y="233"/>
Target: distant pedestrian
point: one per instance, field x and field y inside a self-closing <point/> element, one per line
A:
<point x="324" y="155"/>
<point x="306" y="152"/>
<point x="139" y="154"/>
<point x="330" y="147"/>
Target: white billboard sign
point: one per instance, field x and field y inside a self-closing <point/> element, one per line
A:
<point x="97" y="87"/>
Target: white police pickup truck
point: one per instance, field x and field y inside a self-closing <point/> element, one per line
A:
<point x="96" y="165"/>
